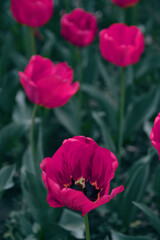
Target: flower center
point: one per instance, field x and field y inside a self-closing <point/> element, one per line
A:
<point x="91" y="191"/>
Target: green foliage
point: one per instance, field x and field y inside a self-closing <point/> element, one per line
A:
<point x="119" y="236"/>
<point x="155" y="221"/>
<point x="24" y="193"/>
<point x="6" y="176"/>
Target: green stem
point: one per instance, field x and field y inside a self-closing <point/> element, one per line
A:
<point x="32" y="139"/>
<point x="67" y="5"/>
<point x="87" y="227"/>
<point x="80" y="79"/>
<point x="122" y="105"/>
<point x="33" y="42"/>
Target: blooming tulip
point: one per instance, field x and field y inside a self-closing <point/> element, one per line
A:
<point x="79" y="27"/>
<point x="78" y="175"/>
<point x="125" y="3"/>
<point x="47" y="84"/>
<point x="155" y="134"/>
<point x="122" y="45"/>
<point x="33" y="13"/>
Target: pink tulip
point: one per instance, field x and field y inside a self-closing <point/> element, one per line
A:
<point x="33" y="13"/>
<point x="155" y="134"/>
<point x="79" y="27"/>
<point x="125" y="3"/>
<point x="78" y="175"/>
<point x="122" y="45"/>
<point x="47" y="84"/>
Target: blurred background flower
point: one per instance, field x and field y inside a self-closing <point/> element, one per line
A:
<point x="79" y="27"/>
<point x="32" y="13"/>
<point x="47" y="84"/>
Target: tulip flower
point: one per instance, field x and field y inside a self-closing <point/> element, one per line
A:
<point x="79" y="27"/>
<point x="122" y="45"/>
<point x="48" y="84"/>
<point x="125" y="3"/>
<point x="78" y="175"/>
<point x="155" y="134"/>
<point x="33" y="13"/>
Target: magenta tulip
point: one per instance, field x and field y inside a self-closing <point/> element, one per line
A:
<point x="48" y="84"/>
<point x="79" y="27"/>
<point x="33" y="13"/>
<point x="155" y="134"/>
<point x="78" y="175"/>
<point x="125" y="3"/>
<point x="122" y="45"/>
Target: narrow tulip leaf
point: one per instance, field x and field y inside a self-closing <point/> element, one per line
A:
<point x="140" y="110"/>
<point x="22" y="113"/>
<point x="68" y="117"/>
<point x="106" y="134"/>
<point x="73" y="222"/>
<point x="104" y="74"/>
<point x="52" y="231"/>
<point x="9" y="134"/>
<point x="148" y="64"/>
<point x="8" y="91"/>
<point x="135" y="187"/>
<point x="6" y="177"/>
<point x="153" y="218"/>
<point x="47" y="49"/>
<point x="104" y="102"/>
<point x="35" y="197"/>
<point x="5" y="53"/>
<point x="90" y="68"/>
<point x="156" y="183"/>
<point x="120" y="236"/>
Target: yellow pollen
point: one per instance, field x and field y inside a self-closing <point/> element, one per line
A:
<point x="80" y="182"/>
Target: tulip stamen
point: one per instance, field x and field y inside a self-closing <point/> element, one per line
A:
<point x="90" y="190"/>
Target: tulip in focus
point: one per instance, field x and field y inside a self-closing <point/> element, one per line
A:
<point x="33" y="13"/>
<point x="48" y="84"/>
<point x="78" y="175"/>
<point x="79" y="27"/>
<point x="125" y="3"/>
<point x="155" y="134"/>
<point x="122" y="45"/>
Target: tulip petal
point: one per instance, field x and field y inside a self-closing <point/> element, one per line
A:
<point x="103" y="200"/>
<point x="39" y="67"/>
<point x="53" y="197"/>
<point x="32" y="13"/>
<point x="29" y="87"/>
<point x="75" y="200"/>
<point x="79" y="27"/>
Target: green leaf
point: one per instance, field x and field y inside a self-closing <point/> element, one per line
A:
<point x="104" y="102"/>
<point x="9" y="134"/>
<point x="5" y="52"/>
<point x="155" y="221"/>
<point x="107" y="79"/>
<point x="150" y="63"/>
<point x="135" y="187"/>
<point x="120" y="236"/>
<point x="73" y="222"/>
<point x="22" y="113"/>
<point x="156" y="183"/>
<point x="68" y="117"/>
<point x="52" y="231"/>
<point x="35" y="196"/>
<point x="140" y="110"/>
<point x="108" y="141"/>
<point x="8" y="91"/>
<point x="47" y="48"/>
<point x="6" y="176"/>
